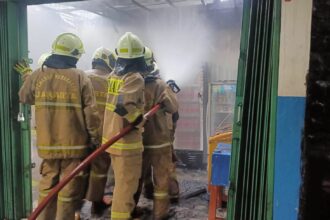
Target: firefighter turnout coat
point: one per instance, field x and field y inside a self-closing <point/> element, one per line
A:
<point x="99" y="79"/>
<point x="125" y="103"/>
<point x="66" y="111"/>
<point x="157" y="134"/>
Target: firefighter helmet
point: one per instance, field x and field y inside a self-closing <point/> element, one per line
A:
<point x="130" y="46"/>
<point x="102" y="54"/>
<point x="148" y="56"/>
<point x="43" y="58"/>
<point x="68" y="44"/>
<point x="112" y="60"/>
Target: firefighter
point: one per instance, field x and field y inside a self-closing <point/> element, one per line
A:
<point x="174" y="189"/>
<point x="67" y="122"/>
<point x="172" y="119"/>
<point x="125" y="104"/>
<point x="156" y="137"/>
<point x="102" y="65"/>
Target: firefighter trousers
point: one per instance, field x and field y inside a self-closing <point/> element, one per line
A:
<point x="174" y="189"/>
<point x="127" y="171"/>
<point x="110" y="184"/>
<point x="63" y="207"/>
<point x="160" y="160"/>
<point x="98" y="178"/>
<point x="173" y="182"/>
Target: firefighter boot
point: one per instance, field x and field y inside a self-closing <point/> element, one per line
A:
<point x="98" y="208"/>
<point x="161" y="209"/>
<point x="174" y="191"/>
<point x="148" y="191"/>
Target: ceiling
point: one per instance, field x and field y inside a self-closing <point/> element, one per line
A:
<point x="148" y="5"/>
<point x="115" y="9"/>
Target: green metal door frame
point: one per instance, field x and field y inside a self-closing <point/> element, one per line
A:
<point x="15" y="181"/>
<point x="274" y="68"/>
<point x="253" y="147"/>
<point x="15" y="153"/>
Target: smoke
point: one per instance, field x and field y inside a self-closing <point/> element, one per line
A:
<point x="45" y="24"/>
<point x="183" y="39"/>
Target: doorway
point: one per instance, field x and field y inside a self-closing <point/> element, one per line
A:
<point x="195" y="43"/>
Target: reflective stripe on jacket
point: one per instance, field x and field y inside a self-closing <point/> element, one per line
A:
<point x="65" y="110"/>
<point x="125" y="102"/>
<point x="100" y="85"/>
<point x="156" y="132"/>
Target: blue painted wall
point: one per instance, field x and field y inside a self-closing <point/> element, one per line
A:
<point x="289" y="128"/>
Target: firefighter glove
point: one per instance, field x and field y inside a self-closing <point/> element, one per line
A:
<point x="22" y="67"/>
<point x="139" y="122"/>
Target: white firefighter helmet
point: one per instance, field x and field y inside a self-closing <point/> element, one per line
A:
<point x="103" y="54"/>
<point x="43" y="58"/>
<point x="148" y="56"/>
<point x="156" y="68"/>
<point x="130" y="46"/>
<point x="153" y="72"/>
<point x="113" y="57"/>
<point x="68" y="44"/>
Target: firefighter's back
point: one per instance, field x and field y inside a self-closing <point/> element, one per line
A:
<point x="59" y="112"/>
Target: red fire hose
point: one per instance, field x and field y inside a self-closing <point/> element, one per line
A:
<point x="85" y="163"/>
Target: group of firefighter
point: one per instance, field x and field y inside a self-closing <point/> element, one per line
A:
<point x="76" y="111"/>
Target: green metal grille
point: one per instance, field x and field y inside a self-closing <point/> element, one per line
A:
<point x="15" y="169"/>
<point x="252" y="163"/>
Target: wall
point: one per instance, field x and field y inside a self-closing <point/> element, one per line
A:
<point x="315" y="190"/>
<point x="225" y="52"/>
<point x="294" y="62"/>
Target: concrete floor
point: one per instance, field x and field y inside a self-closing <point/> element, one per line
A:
<point x="187" y="209"/>
<point x="190" y="181"/>
<point x="190" y="209"/>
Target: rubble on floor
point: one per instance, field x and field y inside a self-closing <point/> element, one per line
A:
<point x="194" y="208"/>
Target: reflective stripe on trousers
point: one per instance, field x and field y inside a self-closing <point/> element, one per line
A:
<point x="157" y="146"/>
<point x="120" y="215"/>
<point x="93" y="174"/>
<point x="78" y="147"/>
<point x="160" y="195"/>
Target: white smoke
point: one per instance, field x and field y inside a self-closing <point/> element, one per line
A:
<point x="182" y="38"/>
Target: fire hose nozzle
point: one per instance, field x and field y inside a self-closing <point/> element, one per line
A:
<point x="172" y="84"/>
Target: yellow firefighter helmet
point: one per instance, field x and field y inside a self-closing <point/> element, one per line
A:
<point x="68" y="44"/>
<point x="130" y="46"/>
